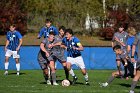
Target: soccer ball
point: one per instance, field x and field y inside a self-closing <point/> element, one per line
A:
<point x="65" y="83"/>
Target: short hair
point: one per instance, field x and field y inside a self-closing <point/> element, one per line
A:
<point x="13" y="25"/>
<point x="48" y="20"/>
<point x="51" y="33"/>
<point x="132" y="31"/>
<point x="69" y="31"/>
<point x="62" y="27"/>
<point x="121" y="25"/>
<point x="116" y="47"/>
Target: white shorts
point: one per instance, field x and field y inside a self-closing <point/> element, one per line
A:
<point x="78" y="61"/>
<point x="9" y="53"/>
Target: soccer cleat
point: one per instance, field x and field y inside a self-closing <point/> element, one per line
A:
<point x="87" y="83"/>
<point x="74" y="80"/>
<point x="131" y="91"/>
<point x="48" y="82"/>
<point x="56" y="84"/>
<point x="6" y="73"/>
<point x="103" y="84"/>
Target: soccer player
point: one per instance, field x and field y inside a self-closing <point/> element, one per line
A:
<point x="130" y="40"/>
<point x="74" y="47"/>
<point x="58" y="51"/>
<point x="47" y="29"/>
<point x="126" y="62"/>
<point x="137" y="76"/>
<point x="45" y="32"/>
<point x="119" y="38"/>
<point x="12" y="47"/>
<point x="43" y="56"/>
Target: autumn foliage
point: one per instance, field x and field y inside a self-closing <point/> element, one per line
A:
<point x="13" y="12"/>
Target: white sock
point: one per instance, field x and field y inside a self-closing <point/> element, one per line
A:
<point x="49" y="72"/>
<point x="18" y="67"/>
<point x="71" y="72"/>
<point x="135" y="65"/>
<point x="86" y="77"/>
<point x="6" y="65"/>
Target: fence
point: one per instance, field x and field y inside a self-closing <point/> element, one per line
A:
<point x="94" y="58"/>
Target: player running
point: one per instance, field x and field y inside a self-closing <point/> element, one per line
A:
<point x="127" y="64"/>
<point x="74" y="47"/>
<point x="43" y="56"/>
<point x="12" y="47"/>
<point x="58" y="51"/>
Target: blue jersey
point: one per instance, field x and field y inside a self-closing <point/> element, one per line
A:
<point x="45" y="31"/>
<point x="130" y="40"/>
<point x="70" y="44"/>
<point x="13" y="38"/>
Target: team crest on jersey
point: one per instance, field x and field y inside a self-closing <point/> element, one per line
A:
<point x="11" y="38"/>
<point x="72" y="43"/>
<point x="14" y="36"/>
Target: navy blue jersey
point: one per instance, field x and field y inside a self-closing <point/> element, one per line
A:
<point x="13" y="38"/>
<point x="45" y="31"/>
<point x="70" y="44"/>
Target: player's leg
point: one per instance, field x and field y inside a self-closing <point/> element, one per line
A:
<point x="17" y="65"/>
<point x="43" y="62"/>
<point x="45" y="73"/>
<point x="80" y="63"/>
<point x="62" y="60"/>
<point x="7" y="55"/>
<point x="16" y="57"/>
<point x="65" y="69"/>
<point x="53" y="72"/>
<point x="70" y="62"/>
<point x="131" y="69"/>
<point x="111" y="78"/>
<point x="6" y="65"/>
<point x="134" y="64"/>
<point x="135" y="81"/>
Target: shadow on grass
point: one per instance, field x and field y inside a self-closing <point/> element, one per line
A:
<point x="128" y="85"/>
<point x="16" y="73"/>
<point x="59" y="81"/>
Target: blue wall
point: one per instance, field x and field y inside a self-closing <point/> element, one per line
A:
<point x="94" y="58"/>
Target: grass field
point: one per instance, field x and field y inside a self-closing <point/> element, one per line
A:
<point x="32" y="81"/>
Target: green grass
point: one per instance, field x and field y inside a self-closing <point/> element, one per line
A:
<point x="32" y="81"/>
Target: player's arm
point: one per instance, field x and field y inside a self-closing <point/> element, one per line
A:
<point x="7" y="43"/>
<point x="128" y="48"/>
<point x="44" y="49"/>
<point x="57" y="44"/>
<point x="112" y="44"/>
<point x="117" y="39"/>
<point x="125" y="62"/>
<point x="20" y="43"/>
<point x="56" y="31"/>
<point x="134" y="48"/>
<point x="80" y="47"/>
<point x="118" y="66"/>
<point x="40" y="33"/>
